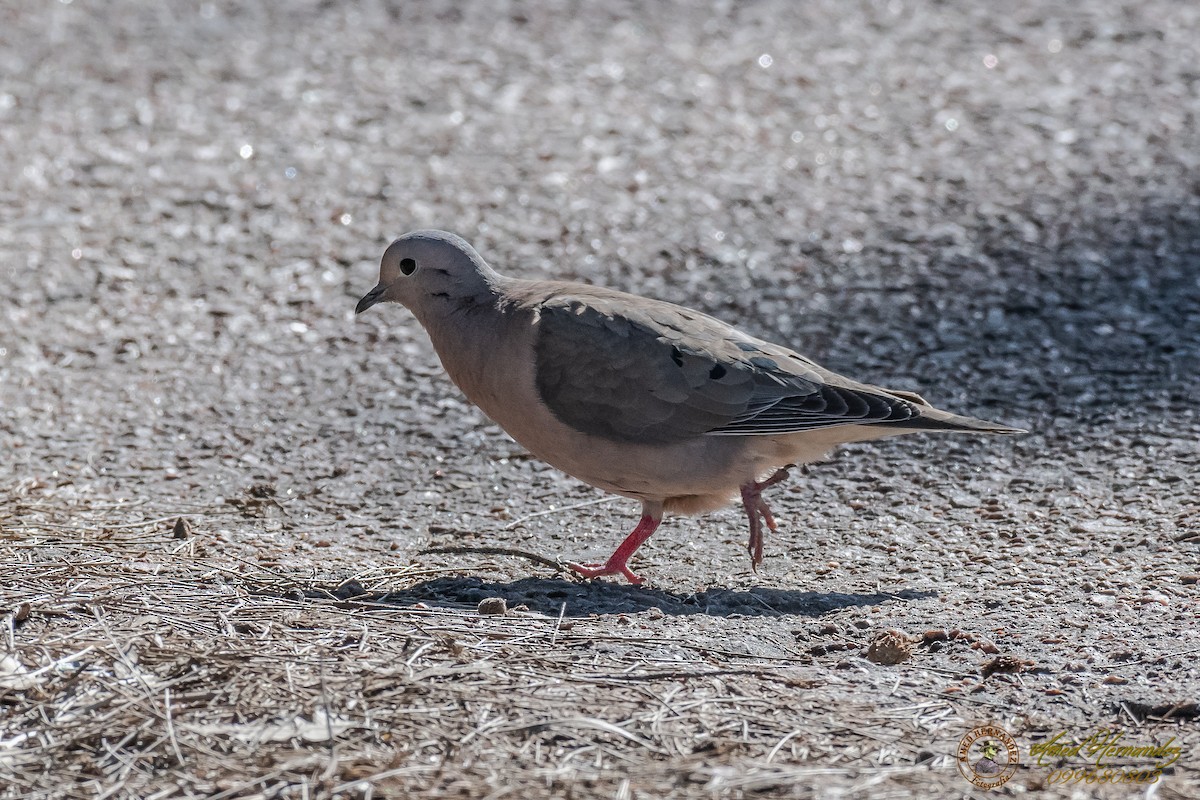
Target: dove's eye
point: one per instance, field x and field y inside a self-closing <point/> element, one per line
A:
<point x="408" y="266"/>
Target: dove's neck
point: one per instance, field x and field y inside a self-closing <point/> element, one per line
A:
<point x="485" y="344"/>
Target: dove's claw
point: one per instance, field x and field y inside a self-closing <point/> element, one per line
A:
<point x="617" y="562"/>
<point x="607" y="568"/>
<point x="758" y="513"/>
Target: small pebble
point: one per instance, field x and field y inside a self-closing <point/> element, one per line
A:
<point x="496" y="606"/>
<point x="890" y="647"/>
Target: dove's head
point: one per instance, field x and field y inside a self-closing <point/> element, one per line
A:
<point x="430" y="271"/>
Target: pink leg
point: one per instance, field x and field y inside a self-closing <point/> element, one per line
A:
<point x="616" y="562"/>
<point x="758" y="512"/>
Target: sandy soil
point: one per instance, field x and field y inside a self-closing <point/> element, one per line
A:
<point x="218" y="490"/>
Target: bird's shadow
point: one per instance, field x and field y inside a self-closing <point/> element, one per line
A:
<point x="553" y="597"/>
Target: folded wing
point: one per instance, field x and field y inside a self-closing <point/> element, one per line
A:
<point x="630" y="369"/>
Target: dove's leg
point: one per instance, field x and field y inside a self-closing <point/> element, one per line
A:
<point x="758" y="513"/>
<point x="616" y="564"/>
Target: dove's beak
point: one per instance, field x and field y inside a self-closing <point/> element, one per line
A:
<point x="370" y="298"/>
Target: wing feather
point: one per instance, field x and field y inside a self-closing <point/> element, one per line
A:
<point x="630" y="369"/>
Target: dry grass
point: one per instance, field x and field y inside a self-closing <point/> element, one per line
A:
<point x="136" y="667"/>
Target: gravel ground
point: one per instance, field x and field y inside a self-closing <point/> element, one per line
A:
<point x="998" y="208"/>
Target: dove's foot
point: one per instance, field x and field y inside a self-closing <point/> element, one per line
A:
<point x="607" y="568"/>
<point x="617" y="562"/>
<point x="758" y="512"/>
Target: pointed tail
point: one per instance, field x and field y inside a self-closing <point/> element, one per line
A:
<point x="934" y="419"/>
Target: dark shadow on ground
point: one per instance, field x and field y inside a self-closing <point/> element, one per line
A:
<point x="1089" y="303"/>
<point x="548" y="596"/>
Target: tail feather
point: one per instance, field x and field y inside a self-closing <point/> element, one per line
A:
<point x="934" y="419"/>
<point x="943" y="421"/>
